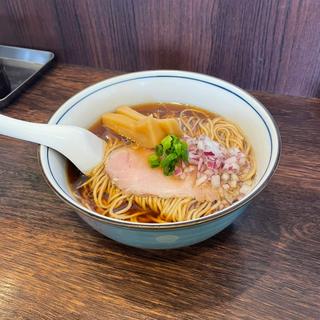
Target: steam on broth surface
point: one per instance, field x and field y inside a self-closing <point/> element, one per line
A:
<point x="187" y="166"/>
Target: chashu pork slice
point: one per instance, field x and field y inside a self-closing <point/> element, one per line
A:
<point x="130" y="171"/>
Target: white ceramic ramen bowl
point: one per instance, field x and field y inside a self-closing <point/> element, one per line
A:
<point x="200" y="90"/>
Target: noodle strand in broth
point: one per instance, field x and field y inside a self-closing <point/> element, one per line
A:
<point x="100" y="194"/>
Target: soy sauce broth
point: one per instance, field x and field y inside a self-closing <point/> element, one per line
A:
<point x="158" y="110"/>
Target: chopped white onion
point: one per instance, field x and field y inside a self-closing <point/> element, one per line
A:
<point x="233" y="183"/>
<point x="234" y="177"/>
<point x="208" y="172"/>
<point x="212" y="161"/>
<point x="201" y="180"/>
<point x="189" y="169"/>
<point x="242" y="161"/>
<point x="225" y="186"/>
<point x="215" y="181"/>
<point x="225" y="176"/>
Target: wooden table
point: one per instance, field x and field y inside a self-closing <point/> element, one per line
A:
<point x="265" y="266"/>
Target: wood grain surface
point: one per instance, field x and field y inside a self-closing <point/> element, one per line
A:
<point x="269" y="45"/>
<point x="265" y="266"/>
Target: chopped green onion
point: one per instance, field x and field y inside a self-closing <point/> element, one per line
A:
<point x="168" y="171"/>
<point x="168" y="153"/>
<point x="184" y="151"/>
<point x="159" y="150"/>
<point x="169" y="159"/>
<point x="178" y="148"/>
<point x="166" y="143"/>
<point x="154" y="161"/>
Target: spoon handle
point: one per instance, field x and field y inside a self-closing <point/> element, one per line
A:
<point x="79" y="145"/>
<point x="33" y="132"/>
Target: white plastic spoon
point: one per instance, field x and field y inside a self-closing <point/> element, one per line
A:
<point x="83" y="148"/>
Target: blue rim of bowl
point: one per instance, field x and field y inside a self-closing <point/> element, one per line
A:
<point x="169" y="225"/>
